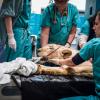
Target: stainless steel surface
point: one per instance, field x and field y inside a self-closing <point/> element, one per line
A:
<point x="34" y="45"/>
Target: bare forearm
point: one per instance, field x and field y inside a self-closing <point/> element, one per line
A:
<point x="44" y="36"/>
<point x="44" y="40"/>
<point x="72" y="35"/>
<point x="8" y="23"/>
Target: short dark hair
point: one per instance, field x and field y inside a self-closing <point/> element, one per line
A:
<point x="98" y="14"/>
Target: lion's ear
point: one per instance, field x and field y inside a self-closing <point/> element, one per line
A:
<point x="66" y="53"/>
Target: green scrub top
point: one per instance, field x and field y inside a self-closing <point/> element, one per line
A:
<point x="85" y="28"/>
<point x="23" y="15"/>
<point x="59" y="31"/>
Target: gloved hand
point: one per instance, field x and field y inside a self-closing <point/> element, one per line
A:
<point x="82" y="44"/>
<point x="12" y="41"/>
<point x="67" y="45"/>
<point x="82" y="40"/>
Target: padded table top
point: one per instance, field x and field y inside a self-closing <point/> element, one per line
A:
<point x="49" y="87"/>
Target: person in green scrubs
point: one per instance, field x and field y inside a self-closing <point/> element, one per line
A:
<point x="14" y="17"/>
<point x="91" y="50"/>
<point x="59" y="22"/>
<point x="87" y="32"/>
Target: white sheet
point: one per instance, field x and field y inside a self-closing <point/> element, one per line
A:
<point x="19" y="65"/>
